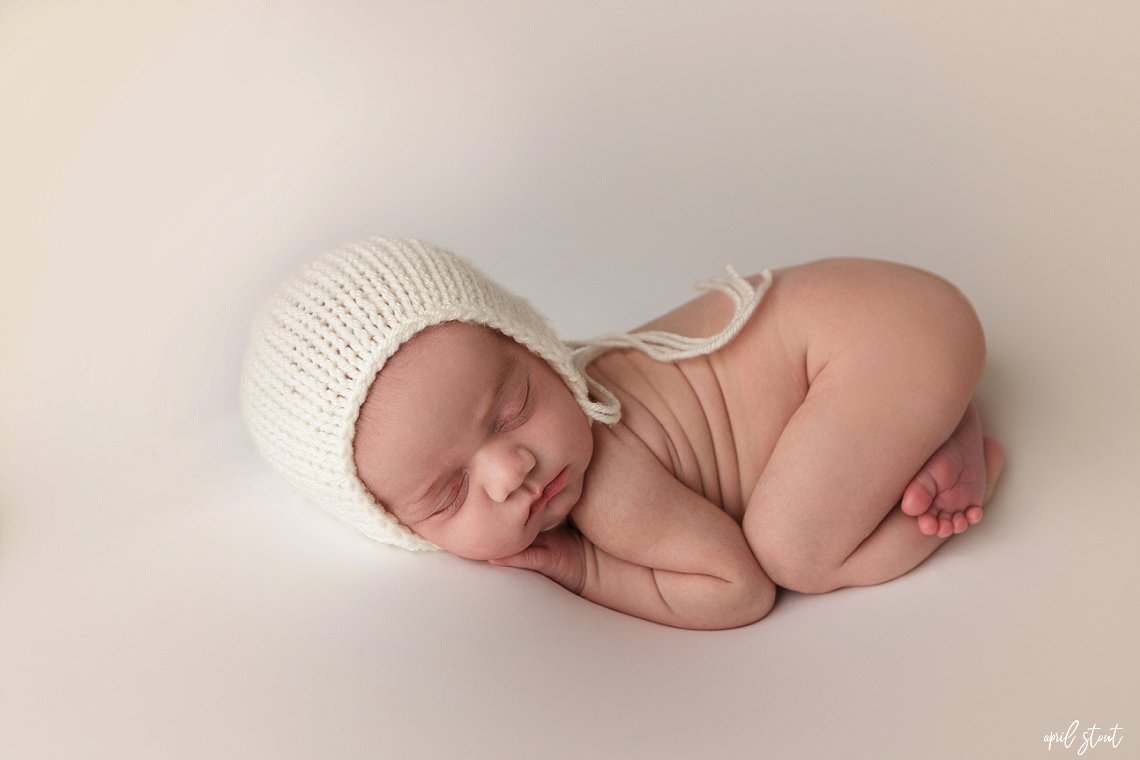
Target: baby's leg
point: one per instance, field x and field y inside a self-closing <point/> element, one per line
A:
<point x="895" y="548"/>
<point x="892" y="355"/>
<point x="947" y="493"/>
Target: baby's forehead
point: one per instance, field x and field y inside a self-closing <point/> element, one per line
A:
<point x="451" y="334"/>
<point x="454" y="344"/>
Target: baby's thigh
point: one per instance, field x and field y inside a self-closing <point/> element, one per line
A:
<point x="892" y="355"/>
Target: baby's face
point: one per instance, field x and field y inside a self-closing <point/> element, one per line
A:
<point x="459" y="464"/>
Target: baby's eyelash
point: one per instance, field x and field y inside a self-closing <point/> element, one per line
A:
<point x="522" y="410"/>
<point x="451" y="504"/>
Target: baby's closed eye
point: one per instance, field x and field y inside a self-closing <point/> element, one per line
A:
<point x="521" y="406"/>
<point x="515" y="413"/>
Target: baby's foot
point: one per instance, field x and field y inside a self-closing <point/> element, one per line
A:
<point x="947" y="493"/>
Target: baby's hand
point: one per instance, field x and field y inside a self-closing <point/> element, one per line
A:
<point x="558" y="553"/>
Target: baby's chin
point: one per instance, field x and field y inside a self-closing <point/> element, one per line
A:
<point x="481" y="554"/>
<point x="485" y="554"/>
<point x="559" y="521"/>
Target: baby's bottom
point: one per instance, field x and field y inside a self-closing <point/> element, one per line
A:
<point x="893" y="356"/>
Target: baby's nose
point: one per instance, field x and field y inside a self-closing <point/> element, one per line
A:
<point x="508" y="471"/>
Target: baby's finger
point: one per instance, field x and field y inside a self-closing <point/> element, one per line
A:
<point x="558" y="554"/>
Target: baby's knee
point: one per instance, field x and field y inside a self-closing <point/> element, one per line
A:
<point x="790" y="561"/>
<point x="800" y="574"/>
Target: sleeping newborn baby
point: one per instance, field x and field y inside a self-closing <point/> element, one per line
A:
<point x="809" y="428"/>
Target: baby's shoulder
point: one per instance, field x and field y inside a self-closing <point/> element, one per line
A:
<point x="621" y="452"/>
<point x="624" y="478"/>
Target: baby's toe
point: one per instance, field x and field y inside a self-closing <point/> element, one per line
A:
<point x="919" y="494"/>
<point x="974" y="515"/>
<point x="928" y="524"/>
<point x="960" y="523"/>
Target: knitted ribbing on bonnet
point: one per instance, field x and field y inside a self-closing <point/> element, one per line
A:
<point x="318" y="342"/>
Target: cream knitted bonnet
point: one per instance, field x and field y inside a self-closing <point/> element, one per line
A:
<point x="319" y="340"/>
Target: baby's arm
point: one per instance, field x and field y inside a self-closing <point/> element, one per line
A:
<point x="648" y="546"/>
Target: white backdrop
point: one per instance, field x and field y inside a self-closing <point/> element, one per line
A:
<point x="162" y="164"/>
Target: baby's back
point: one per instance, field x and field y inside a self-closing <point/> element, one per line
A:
<point x="713" y="420"/>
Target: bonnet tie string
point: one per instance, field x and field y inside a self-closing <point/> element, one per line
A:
<point x="666" y="346"/>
